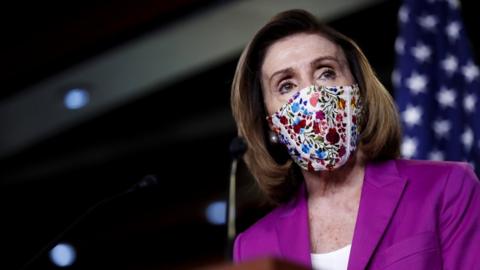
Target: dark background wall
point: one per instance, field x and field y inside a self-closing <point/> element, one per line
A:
<point x="46" y="186"/>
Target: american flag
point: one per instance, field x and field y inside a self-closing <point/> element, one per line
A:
<point x="437" y="83"/>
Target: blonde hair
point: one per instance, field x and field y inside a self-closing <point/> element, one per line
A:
<point x="276" y="174"/>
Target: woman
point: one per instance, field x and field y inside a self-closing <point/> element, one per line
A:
<point x="323" y="136"/>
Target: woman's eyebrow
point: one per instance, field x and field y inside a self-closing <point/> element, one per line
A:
<point x="321" y="59"/>
<point x="279" y="72"/>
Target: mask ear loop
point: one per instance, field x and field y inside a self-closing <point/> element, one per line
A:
<point x="349" y="122"/>
<point x="352" y="91"/>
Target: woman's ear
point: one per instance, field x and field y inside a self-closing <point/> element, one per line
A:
<point x="270" y="124"/>
<point x="272" y="135"/>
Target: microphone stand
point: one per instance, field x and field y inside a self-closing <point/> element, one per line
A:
<point x="146" y="181"/>
<point x="237" y="148"/>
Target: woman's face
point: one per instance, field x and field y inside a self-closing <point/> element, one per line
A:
<point x="298" y="61"/>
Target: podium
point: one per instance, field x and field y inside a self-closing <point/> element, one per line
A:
<point x="260" y="264"/>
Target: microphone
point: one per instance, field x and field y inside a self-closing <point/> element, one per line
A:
<point x="238" y="147"/>
<point x="145" y="182"/>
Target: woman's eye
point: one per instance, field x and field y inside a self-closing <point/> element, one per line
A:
<point x="328" y="74"/>
<point x="286" y="87"/>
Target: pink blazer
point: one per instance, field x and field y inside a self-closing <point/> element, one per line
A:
<point x="412" y="215"/>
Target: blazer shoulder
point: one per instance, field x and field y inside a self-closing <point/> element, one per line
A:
<point x="442" y="176"/>
<point x="265" y="225"/>
<point x="437" y="172"/>
<point x="260" y="238"/>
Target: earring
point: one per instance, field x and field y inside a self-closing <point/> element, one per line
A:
<point x="273" y="137"/>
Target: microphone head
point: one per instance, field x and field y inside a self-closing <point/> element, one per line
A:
<point x="238" y="147"/>
<point x="147" y="181"/>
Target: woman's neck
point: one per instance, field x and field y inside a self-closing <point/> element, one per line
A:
<point x="345" y="180"/>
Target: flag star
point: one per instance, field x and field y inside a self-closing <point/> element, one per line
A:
<point x="453" y="30"/>
<point x="453" y="3"/>
<point x="399" y="45"/>
<point x="441" y="128"/>
<point x="450" y="64"/>
<point x="428" y="22"/>
<point x="409" y="147"/>
<point x="421" y="52"/>
<point x="467" y="139"/>
<point x="412" y="115"/>
<point x="469" y="102"/>
<point x="470" y="71"/>
<point x="446" y="97"/>
<point x="436" y="155"/>
<point x="417" y="83"/>
<point x="396" y="78"/>
<point x="403" y="14"/>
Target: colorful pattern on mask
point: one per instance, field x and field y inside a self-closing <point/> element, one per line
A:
<point x="320" y="126"/>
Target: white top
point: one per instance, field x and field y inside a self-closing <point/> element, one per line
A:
<point x="335" y="260"/>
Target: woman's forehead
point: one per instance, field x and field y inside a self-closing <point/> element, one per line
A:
<point x="299" y="49"/>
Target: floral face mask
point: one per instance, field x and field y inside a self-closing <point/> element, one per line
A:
<point x="319" y="126"/>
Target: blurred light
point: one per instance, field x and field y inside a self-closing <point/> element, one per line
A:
<point x="216" y="212"/>
<point x="76" y="98"/>
<point x="63" y="255"/>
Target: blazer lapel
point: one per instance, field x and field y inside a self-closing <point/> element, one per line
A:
<point x="293" y="231"/>
<point x="381" y="192"/>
